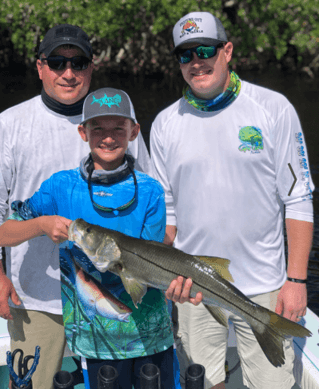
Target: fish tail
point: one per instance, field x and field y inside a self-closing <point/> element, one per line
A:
<point x="271" y="333"/>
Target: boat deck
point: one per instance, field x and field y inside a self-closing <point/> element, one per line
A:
<point x="306" y="366"/>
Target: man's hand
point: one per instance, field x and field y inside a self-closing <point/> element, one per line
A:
<point x="179" y="293"/>
<point x="55" y="227"/>
<point x="292" y="301"/>
<point x="7" y="290"/>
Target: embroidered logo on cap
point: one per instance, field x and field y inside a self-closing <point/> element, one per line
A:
<point x="190" y="27"/>
<point x="109" y="101"/>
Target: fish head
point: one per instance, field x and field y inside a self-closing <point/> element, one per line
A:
<point x="94" y="241"/>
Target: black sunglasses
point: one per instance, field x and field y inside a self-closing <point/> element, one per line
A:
<point x="58" y="62"/>
<point x="202" y="52"/>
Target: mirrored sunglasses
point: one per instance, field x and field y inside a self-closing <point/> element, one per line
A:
<point x="202" y="52"/>
<point x="58" y="62"/>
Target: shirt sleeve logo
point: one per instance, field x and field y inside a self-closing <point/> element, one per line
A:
<point x="251" y="139"/>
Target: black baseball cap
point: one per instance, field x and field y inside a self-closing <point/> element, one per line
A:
<point x="65" y="34"/>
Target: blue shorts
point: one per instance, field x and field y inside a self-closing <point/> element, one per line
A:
<point x="129" y="369"/>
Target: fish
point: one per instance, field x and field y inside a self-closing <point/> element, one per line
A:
<point x="96" y="299"/>
<point x="143" y="263"/>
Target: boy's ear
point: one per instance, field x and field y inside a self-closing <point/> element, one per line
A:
<point x="135" y="131"/>
<point x="82" y="132"/>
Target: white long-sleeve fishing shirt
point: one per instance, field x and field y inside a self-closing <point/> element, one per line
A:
<point x="227" y="175"/>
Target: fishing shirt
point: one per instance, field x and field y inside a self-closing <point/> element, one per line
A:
<point x="36" y="142"/>
<point x="227" y="175"/>
<point x="90" y="333"/>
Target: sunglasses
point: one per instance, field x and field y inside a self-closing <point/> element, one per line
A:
<point x="58" y="62"/>
<point x="202" y="52"/>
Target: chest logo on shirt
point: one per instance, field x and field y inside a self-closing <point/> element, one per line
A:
<point x="251" y="139"/>
<point x="101" y="193"/>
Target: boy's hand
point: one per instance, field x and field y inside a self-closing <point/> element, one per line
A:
<point x="7" y="290"/>
<point x="179" y="293"/>
<point x="55" y="227"/>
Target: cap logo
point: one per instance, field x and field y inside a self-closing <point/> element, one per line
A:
<point x="109" y="101"/>
<point x="65" y="32"/>
<point x="190" y="26"/>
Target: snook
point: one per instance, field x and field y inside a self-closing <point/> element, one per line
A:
<point x="141" y="263"/>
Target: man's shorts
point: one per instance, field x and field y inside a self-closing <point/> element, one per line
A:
<point x="200" y="339"/>
<point x="29" y="329"/>
<point x="129" y="369"/>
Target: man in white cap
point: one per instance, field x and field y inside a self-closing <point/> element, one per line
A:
<point x="38" y="138"/>
<point x="230" y="155"/>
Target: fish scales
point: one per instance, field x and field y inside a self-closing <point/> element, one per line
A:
<point x="182" y="264"/>
<point x="142" y="263"/>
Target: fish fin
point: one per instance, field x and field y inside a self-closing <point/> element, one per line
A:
<point x="270" y="336"/>
<point x="134" y="288"/>
<point x="218" y="264"/>
<point x="218" y="314"/>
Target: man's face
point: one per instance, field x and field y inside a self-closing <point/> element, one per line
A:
<point x="208" y="77"/>
<point x="67" y="86"/>
<point x="108" y="138"/>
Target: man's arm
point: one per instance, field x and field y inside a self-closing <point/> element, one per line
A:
<point x="6" y="291"/>
<point x="292" y="299"/>
<point x="170" y="234"/>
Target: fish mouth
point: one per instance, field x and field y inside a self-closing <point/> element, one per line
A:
<point x="74" y="235"/>
<point x="71" y="231"/>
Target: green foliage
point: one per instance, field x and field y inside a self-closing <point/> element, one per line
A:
<point x="135" y="35"/>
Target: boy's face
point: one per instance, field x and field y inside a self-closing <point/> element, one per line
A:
<point x="108" y="138"/>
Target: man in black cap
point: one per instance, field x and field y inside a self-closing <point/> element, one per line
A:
<point x="38" y="138"/>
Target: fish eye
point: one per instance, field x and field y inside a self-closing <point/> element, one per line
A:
<point x="88" y="230"/>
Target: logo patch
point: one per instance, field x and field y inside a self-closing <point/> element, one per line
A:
<point x="251" y="138"/>
<point x="298" y="136"/>
<point x="109" y="101"/>
<point x="101" y="193"/>
<point x="190" y="27"/>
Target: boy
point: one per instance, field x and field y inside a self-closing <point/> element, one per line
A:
<point x="104" y="190"/>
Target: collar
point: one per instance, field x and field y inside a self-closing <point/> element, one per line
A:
<point x="106" y="176"/>
<point x="62" y="109"/>
<point x="219" y="102"/>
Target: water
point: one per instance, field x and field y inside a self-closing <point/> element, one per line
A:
<point x="151" y="95"/>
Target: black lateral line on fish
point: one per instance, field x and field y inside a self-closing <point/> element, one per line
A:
<point x="200" y="286"/>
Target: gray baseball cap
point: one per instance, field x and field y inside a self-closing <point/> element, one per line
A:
<point x="199" y="27"/>
<point x="108" y="102"/>
<point x="65" y="34"/>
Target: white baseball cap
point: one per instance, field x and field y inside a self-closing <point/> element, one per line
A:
<point x="199" y="27"/>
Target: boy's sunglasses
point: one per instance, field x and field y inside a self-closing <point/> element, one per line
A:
<point x="58" y="62"/>
<point x="202" y="52"/>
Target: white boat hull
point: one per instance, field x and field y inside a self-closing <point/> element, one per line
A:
<point x="306" y="369"/>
